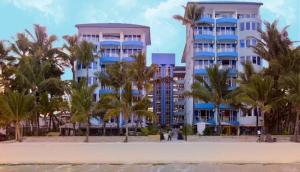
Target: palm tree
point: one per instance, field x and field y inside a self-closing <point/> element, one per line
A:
<point x="71" y="47"/>
<point x="85" y="56"/>
<point x="82" y="104"/>
<point x="126" y="106"/>
<point x="215" y="90"/>
<point x="258" y="93"/>
<point x="16" y="107"/>
<point x="291" y="83"/>
<point x="141" y="74"/>
<point x="193" y="13"/>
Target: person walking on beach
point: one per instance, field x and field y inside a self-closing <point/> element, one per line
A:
<point x="161" y="134"/>
<point x="170" y="135"/>
<point x="259" y="135"/>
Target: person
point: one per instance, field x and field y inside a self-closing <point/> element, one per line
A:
<point x="161" y="134"/>
<point x="170" y="135"/>
<point x="259" y="135"/>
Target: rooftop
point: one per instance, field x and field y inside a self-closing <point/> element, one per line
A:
<point x="227" y="2"/>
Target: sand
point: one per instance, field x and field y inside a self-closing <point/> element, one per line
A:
<point x="149" y="153"/>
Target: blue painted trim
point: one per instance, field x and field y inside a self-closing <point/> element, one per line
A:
<point x="224" y="38"/>
<point x="105" y="91"/>
<point x="226" y="20"/>
<point x="200" y="72"/>
<point x="207" y="20"/>
<point x="128" y="59"/>
<point x="139" y="44"/>
<point x="199" y="37"/>
<point x="211" y="106"/>
<point x="227" y="54"/>
<point x="204" y="54"/>
<point x="109" y="43"/>
<point x="106" y="59"/>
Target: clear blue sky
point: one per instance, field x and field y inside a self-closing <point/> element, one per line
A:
<point x="167" y="35"/>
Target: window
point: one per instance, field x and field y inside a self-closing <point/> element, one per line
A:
<point x="242" y="59"/>
<point x="254" y="42"/>
<point x="94" y="65"/>
<point x="94" y="80"/>
<point x="78" y="66"/>
<point x="258" y="27"/>
<point x="253" y="15"/>
<point x="254" y="59"/>
<point x="253" y="26"/>
<point x="247" y="15"/>
<point x="90" y="80"/>
<point x="225" y="62"/>
<point x="258" y="60"/>
<point x="242" y="43"/>
<point x="247" y="25"/>
<point x="94" y="97"/>
<point x="248" y="42"/>
<point x="242" y="26"/>
<point x="248" y="58"/>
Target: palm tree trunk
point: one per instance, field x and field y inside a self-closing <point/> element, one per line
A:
<point x="87" y="133"/>
<point x="219" y="120"/>
<point x="73" y="71"/>
<point x="296" y="132"/>
<point x="104" y="128"/>
<point x="256" y="120"/>
<point x="126" y="134"/>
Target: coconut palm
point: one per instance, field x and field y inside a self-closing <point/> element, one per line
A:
<point x="82" y="104"/>
<point x="291" y="83"/>
<point x="71" y="47"/>
<point x="126" y="106"/>
<point x="85" y="56"/>
<point x="258" y="93"/>
<point x="193" y="14"/>
<point x="141" y="74"/>
<point x="214" y="90"/>
<point x="15" y="107"/>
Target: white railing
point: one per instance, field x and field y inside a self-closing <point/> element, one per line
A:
<point x="225" y="67"/>
<point x="203" y="32"/>
<point x="208" y="49"/>
<point x="225" y="32"/>
<point x="111" y="54"/>
<point x="226" y="50"/>
<point x="132" y="39"/>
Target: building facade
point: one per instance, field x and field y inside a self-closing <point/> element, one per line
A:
<point x="224" y="36"/>
<point x="115" y="42"/>
<point x="163" y="87"/>
<point x="178" y="90"/>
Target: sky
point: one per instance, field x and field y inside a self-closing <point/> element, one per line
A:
<point x="167" y="35"/>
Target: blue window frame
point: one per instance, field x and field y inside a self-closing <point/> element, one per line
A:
<point x="248" y="43"/>
<point x="254" y="59"/>
<point x="242" y="43"/>
<point x="254" y="42"/>
<point x="242" y="59"/>
<point x="258" y="27"/>
<point x="258" y="60"/>
<point x="247" y="25"/>
<point x="253" y="25"/>
<point x="242" y="26"/>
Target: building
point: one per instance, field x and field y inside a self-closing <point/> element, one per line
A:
<point x="117" y="42"/>
<point x="225" y="39"/>
<point x="178" y="90"/>
<point x="163" y="87"/>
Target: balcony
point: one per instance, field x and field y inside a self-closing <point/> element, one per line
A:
<point x="206" y="20"/>
<point x="210" y="106"/>
<point x="204" y="37"/>
<point x="228" y="54"/>
<point x="105" y="91"/>
<point x="109" y="58"/>
<point x="204" y="54"/>
<point x="200" y="72"/>
<point x="135" y="92"/>
<point x="226" y="37"/>
<point x="179" y="113"/>
<point x="137" y="43"/>
<point x="108" y="43"/>
<point x="128" y="59"/>
<point x="226" y="20"/>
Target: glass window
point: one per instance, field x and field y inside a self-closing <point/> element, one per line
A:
<point x="253" y="26"/>
<point x="248" y="42"/>
<point x="90" y="80"/>
<point x="248" y="58"/>
<point x="258" y="27"/>
<point x="253" y="15"/>
<point x="94" y="80"/>
<point x="242" y="26"/>
<point x="254" y="59"/>
<point x="254" y="42"/>
<point x="258" y="60"/>
<point x="242" y="43"/>
<point x="78" y="66"/>
<point x="247" y="25"/>
<point x="94" y="65"/>
<point x="247" y="15"/>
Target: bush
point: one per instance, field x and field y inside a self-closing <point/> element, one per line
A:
<point x="189" y="130"/>
<point x="208" y="131"/>
<point x="153" y="129"/>
<point x="145" y="131"/>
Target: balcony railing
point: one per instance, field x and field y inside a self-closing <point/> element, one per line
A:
<point x="207" y="49"/>
<point x="225" y="32"/>
<point x="226" y="50"/>
<point x="111" y="55"/>
<point x="203" y="32"/>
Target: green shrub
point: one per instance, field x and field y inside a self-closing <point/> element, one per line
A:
<point x="144" y="131"/>
<point x="189" y="130"/>
<point x="208" y="131"/>
<point x="153" y="129"/>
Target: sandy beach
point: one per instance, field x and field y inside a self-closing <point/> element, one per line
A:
<point x="149" y="153"/>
